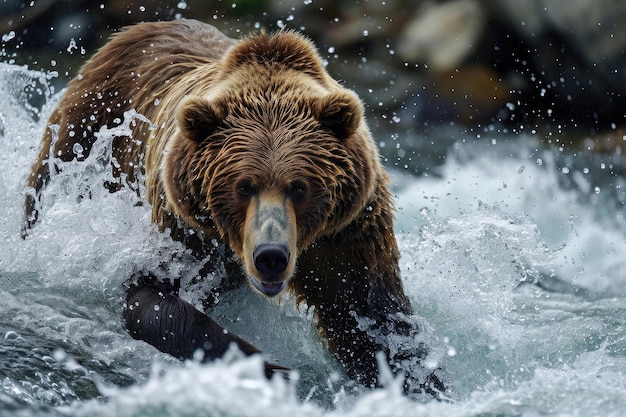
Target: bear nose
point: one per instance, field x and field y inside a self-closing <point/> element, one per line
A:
<point x="271" y="260"/>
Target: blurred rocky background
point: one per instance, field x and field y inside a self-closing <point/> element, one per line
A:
<point x="431" y="72"/>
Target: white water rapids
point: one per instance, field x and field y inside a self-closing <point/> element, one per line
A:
<point x="473" y="240"/>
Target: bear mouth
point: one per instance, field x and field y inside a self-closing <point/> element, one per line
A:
<point x="270" y="289"/>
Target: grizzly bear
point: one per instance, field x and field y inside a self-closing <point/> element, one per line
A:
<point x="253" y="145"/>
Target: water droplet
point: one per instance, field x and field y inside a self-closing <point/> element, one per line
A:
<point x="8" y="36"/>
<point x="59" y="355"/>
<point x="72" y="46"/>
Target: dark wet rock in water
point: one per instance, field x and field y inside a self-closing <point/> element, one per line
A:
<point x="530" y="66"/>
<point x="590" y="35"/>
<point x="563" y="60"/>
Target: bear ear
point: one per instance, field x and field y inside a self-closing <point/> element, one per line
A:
<point x="198" y="118"/>
<point x="341" y="112"/>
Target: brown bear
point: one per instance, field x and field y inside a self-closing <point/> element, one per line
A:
<point x="251" y="144"/>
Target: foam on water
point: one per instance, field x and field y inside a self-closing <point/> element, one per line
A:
<point x="591" y="247"/>
<point x="473" y="240"/>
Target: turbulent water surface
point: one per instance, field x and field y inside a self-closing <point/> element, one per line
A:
<point x="515" y="255"/>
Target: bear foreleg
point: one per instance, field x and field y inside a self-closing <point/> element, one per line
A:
<point x="157" y="315"/>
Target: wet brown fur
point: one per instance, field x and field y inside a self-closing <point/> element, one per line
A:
<point x="216" y="105"/>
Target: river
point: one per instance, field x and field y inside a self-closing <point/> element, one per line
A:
<point x="513" y="251"/>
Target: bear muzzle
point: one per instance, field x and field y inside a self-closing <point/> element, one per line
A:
<point x="270" y="244"/>
<point x="271" y="260"/>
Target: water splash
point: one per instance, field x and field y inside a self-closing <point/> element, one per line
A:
<point x="473" y="240"/>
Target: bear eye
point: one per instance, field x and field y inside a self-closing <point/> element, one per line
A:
<point x="245" y="189"/>
<point x="297" y="190"/>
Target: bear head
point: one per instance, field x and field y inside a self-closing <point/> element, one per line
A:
<point x="272" y="153"/>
